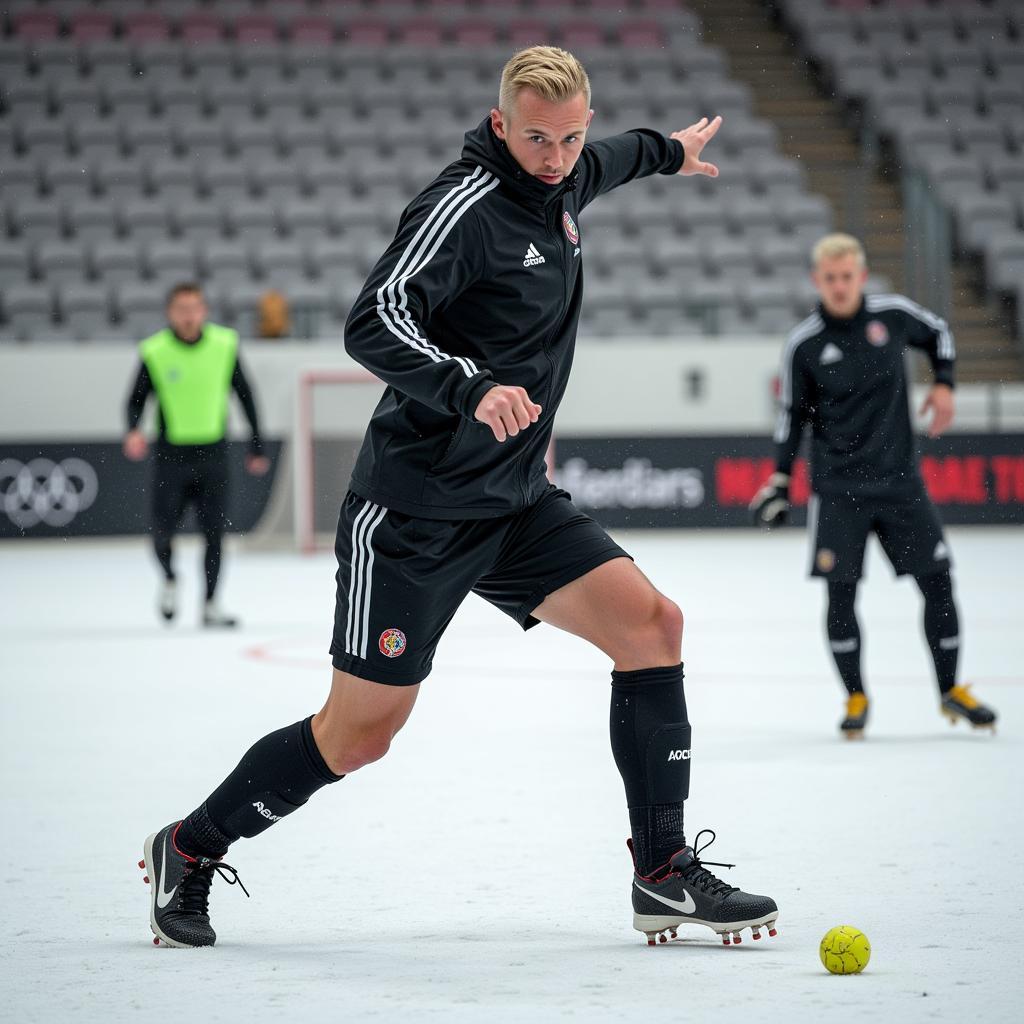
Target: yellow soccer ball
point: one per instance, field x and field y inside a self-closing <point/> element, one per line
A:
<point x="845" y="950"/>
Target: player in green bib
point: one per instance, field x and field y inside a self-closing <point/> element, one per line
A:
<point x="192" y="365"/>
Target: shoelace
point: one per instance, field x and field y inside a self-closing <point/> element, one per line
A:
<point x="697" y="874"/>
<point x="964" y="696"/>
<point x="194" y="890"/>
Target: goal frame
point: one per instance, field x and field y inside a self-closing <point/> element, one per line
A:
<point x="305" y="527"/>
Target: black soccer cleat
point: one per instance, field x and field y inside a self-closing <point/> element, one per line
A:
<point x="959" y="703"/>
<point x="683" y="891"/>
<point x="180" y="891"/>
<point x="852" y="726"/>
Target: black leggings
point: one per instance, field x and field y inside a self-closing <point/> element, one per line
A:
<point x="941" y="629"/>
<point x="196" y="475"/>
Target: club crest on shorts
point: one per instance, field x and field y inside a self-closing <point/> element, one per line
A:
<point x="877" y="332"/>
<point x="392" y="643"/>
<point x="571" y="231"/>
<point x="826" y="559"/>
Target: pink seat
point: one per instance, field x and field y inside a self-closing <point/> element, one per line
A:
<point x="36" y="24"/>
<point x="661" y="5"/>
<point x="581" y="34"/>
<point x="421" y="32"/>
<point x="528" y="32"/>
<point x="87" y="26"/>
<point x="367" y="32"/>
<point x="475" y="33"/>
<point x="256" y="29"/>
<point x="201" y="27"/>
<point x="641" y="34"/>
<point x="312" y="31"/>
<point x="145" y="27"/>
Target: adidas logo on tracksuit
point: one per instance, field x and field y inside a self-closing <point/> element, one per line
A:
<point x="533" y="257"/>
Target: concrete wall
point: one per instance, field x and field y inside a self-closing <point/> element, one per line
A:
<point x="629" y="386"/>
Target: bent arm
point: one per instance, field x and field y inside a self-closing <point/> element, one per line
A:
<point x="435" y="255"/>
<point x="141" y="390"/>
<point x="240" y="385"/>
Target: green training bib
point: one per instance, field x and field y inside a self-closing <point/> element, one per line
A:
<point x="192" y="382"/>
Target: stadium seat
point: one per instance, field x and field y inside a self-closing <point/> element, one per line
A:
<point x="59" y="262"/>
<point x="28" y="312"/>
<point x="115" y="261"/>
<point x="84" y="311"/>
<point x="140" y="308"/>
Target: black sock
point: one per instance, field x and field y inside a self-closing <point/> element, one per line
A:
<point x="650" y="737"/>
<point x="162" y="550"/>
<point x="276" y="776"/>
<point x="941" y="626"/>
<point x="844" y="633"/>
<point x="211" y="564"/>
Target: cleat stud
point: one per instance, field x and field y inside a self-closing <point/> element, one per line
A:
<point x="736" y="938"/>
<point x="145" y="878"/>
<point x="142" y="863"/>
<point x="725" y="940"/>
<point x="651" y="940"/>
<point x="772" y="932"/>
<point x="671" y="933"/>
<point x="156" y="940"/>
<point x="756" y="934"/>
<point x="662" y="938"/>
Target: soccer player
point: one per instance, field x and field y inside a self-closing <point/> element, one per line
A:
<point x="843" y="373"/>
<point x="192" y="365"/>
<point x="470" y="319"/>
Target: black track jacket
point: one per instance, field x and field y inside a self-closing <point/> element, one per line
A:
<point x="482" y="285"/>
<point x="847" y="378"/>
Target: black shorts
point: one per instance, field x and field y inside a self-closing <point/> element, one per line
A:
<point x="408" y="576"/>
<point x="908" y="529"/>
<point x="195" y="475"/>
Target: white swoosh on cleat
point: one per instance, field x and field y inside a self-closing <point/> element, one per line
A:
<point x="163" y="898"/>
<point x="686" y="907"/>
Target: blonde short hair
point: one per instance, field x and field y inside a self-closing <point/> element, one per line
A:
<point x="838" y="244"/>
<point x="552" y="73"/>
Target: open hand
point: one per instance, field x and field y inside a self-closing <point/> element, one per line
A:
<point x="941" y="403"/>
<point x="694" y="139"/>
<point x="506" y="411"/>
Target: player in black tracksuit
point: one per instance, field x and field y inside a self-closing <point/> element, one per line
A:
<point x="843" y="373"/>
<point x="470" y="319"/>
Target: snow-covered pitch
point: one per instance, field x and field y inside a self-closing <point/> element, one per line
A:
<point x="479" y="872"/>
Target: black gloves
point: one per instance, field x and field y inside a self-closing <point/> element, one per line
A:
<point x="770" y="506"/>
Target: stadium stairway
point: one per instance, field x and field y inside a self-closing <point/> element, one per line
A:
<point x="814" y="128"/>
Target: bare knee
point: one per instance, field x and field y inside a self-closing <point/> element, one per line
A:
<point x="347" y="749"/>
<point x="652" y="637"/>
<point x="667" y="627"/>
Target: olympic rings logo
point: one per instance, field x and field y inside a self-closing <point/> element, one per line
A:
<point x="44" y="491"/>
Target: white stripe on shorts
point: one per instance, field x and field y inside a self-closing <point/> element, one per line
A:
<point x="360" y="584"/>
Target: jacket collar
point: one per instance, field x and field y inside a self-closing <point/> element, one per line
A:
<point x="843" y="321"/>
<point x="482" y="146"/>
